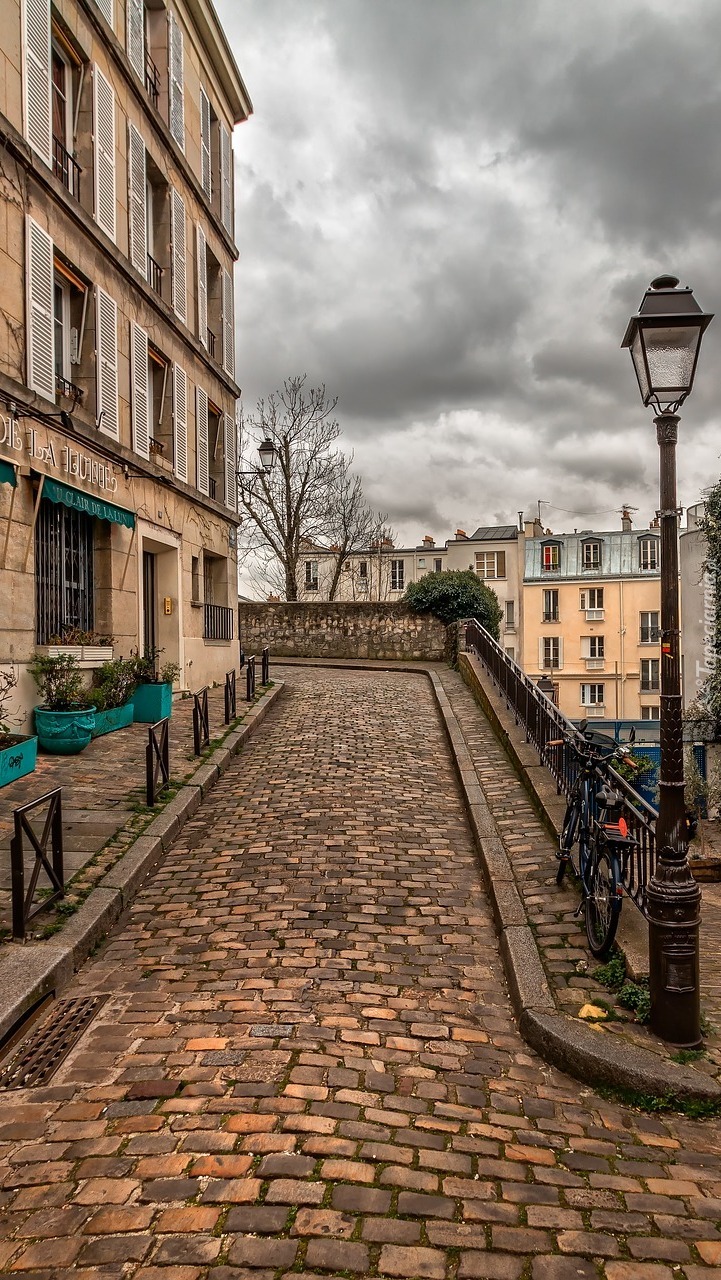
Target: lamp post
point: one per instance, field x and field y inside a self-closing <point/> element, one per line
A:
<point x="664" y="339"/>
<point x="267" y="453"/>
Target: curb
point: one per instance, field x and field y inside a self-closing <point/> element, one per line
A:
<point x="30" y="971"/>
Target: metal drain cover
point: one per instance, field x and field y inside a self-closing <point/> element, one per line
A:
<point x="46" y="1047"/>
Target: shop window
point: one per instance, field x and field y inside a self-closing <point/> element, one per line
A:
<point x="64" y="571"/>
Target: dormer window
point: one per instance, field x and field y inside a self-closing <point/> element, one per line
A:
<point x="648" y="554"/>
<point x="551" y="557"/>
<point x="591" y="554"/>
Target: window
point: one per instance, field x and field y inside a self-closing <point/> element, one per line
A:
<point x="651" y="713"/>
<point x="160" y="424"/>
<point x="648" y="557"/>
<point x="311" y="575"/>
<point x="592" y="601"/>
<point x="649" y="675"/>
<point x="551" y="651"/>
<point x="510" y="613"/>
<point x="397" y="575"/>
<point x="491" y="564"/>
<point x="550" y="605"/>
<point x="216" y="451"/>
<point x="437" y="566"/>
<point x="592" y="695"/>
<point x="510" y="653"/>
<point x="650" y="630"/>
<point x="69" y="299"/>
<point x="157" y="214"/>
<point x="593" y="646"/>
<point x="215" y="581"/>
<point x="363" y="570"/>
<point x="421" y="564"/>
<point x="551" y="557"/>
<point x="63" y="571"/>
<point x="65" y="83"/>
<point x="195" y="579"/>
<point x="591" y="558"/>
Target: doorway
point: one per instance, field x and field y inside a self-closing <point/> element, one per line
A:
<point x="150" y="631"/>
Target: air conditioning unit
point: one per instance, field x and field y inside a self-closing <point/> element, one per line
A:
<point x="595" y="664"/>
<point x="596" y="711"/>
<point x="594" y="615"/>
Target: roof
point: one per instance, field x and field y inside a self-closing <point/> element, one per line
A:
<point x="494" y="533"/>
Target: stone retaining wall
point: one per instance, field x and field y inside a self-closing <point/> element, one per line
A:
<point x="341" y="630"/>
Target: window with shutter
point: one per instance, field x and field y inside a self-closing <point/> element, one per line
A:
<point x="226" y="179"/>
<point x="228" y="327"/>
<point x="201" y="440"/>
<point x="205" y="170"/>
<point x="176" y="81"/>
<point x="177" y="235"/>
<point x="135" y="36"/>
<point x="180" y="422"/>
<point x="106" y="341"/>
<point x="231" y="496"/>
<point x="106" y="8"/>
<point x="40" y="327"/>
<point x="202" y="266"/>
<point x="137" y="201"/>
<point x="104" y="119"/>
<point x="140" y="390"/>
<point x="36" y="75"/>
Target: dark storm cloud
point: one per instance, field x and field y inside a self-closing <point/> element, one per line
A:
<point x="447" y="212"/>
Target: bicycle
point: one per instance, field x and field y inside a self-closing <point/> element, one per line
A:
<point x="603" y="839"/>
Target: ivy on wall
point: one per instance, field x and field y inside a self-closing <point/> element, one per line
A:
<point x="709" y="699"/>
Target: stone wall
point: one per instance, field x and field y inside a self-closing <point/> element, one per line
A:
<point x="340" y="630"/>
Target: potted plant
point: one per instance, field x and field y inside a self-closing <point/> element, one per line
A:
<point x="86" y="646"/>
<point x="112" y="692"/>
<point x="153" y="696"/>
<point x="65" y="720"/>
<point x="18" y="754"/>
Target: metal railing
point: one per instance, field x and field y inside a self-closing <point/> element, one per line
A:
<point x="155" y="275"/>
<point x="265" y="665"/>
<point x="218" y="622"/>
<point x="23" y="909"/>
<point x="211" y="342"/>
<point x="66" y="168"/>
<point x="157" y="761"/>
<point x="152" y="81"/>
<point x="201" y="721"/>
<point x="543" y="724"/>
<point x="231" y="700"/>
<point x="250" y="679"/>
<point x="64" y="387"/>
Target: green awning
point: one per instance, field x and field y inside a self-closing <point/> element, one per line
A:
<point x="88" y="503"/>
<point x="7" y="473"/>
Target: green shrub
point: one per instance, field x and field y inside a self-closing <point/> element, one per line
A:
<point x="455" y="594"/>
<point x="61" y="683"/>
<point x="114" y="683"/>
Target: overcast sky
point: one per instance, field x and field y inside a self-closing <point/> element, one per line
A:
<point x="447" y="211"/>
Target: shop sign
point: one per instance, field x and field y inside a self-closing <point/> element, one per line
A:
<point x="38" y="447"/>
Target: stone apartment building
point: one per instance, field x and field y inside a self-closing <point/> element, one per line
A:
<point x="117" y="362"/>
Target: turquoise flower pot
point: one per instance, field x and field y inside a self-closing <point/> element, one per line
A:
<point x="18" y="759"/>
<point x="153" y="702"/>
<point x="114" y="718"/>
<point x="64" y="733"/>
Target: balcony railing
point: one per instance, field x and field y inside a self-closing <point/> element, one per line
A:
<point x="217" y="622"/>
<point x="152" y="81"/>
<point x="211" y="342"/>
<point x="64" y="387"/>
<point x="155" y="275"/>
<point x="212" y="488"/>
<point x="66" y="169"/>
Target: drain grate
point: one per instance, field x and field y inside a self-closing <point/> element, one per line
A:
<point x="49" y="1045"/>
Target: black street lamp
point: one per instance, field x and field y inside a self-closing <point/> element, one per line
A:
<point x="267" y="453"/>
<point x="664" y="340"/>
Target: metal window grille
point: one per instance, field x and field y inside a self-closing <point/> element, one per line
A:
<point x="63" y="571"/>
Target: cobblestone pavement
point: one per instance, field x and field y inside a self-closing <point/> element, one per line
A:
<point x="102" y="788"/>
<point x="307" y="1065"/>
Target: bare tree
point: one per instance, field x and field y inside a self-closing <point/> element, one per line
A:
<point x="288" y="507"/>
<point x="352" y="524"/>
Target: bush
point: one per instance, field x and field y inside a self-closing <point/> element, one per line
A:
<point x="454" y="594"/>
<point x="114" y="684"/>
<point x="60" y="682"/>
<point x="147" y="668"/>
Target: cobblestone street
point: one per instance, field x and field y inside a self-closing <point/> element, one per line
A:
<point x="307" y="1064"/>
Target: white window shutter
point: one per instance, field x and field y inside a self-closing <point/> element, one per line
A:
<point x="106" y="347"/>
<point x="36" y="76"/>
<point x="137" y="198"/>
<point x="135" y="36"/>
<point x="205" y="169"/>
<point x="177" y="235"/>
<point x="106" y="8"/>
<point x="104" y="125"/>
<point x="226" y="179"/>
<point x="202" y="266"/>
<point x="180" y="422"/>
<point x="40" y="337"/>
<point x="201" y="440"/>
<point x="231" y="495"/>
<point x="176" y="80"/>
<point x="585" y="646"/>
<point x="228" y="325"/>
<point x="140" y="390"/>
<point x="560" y="652"/>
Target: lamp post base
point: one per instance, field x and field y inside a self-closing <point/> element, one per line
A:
<point x="673" y="903"/>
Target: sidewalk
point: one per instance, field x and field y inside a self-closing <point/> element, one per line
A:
<point x="103" y="792"/>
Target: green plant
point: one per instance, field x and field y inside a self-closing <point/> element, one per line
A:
<point x="612" y="974"/>
<point x="636" y="997"/>
<point x="636" y="768"/>
<point x="114" y="683"/>
<point x="684" y="1056"/>
<point x="76" y="635"/>
<point x="8" y="682"/>
<point x="149" y="671"/>
<point x="60" y="682"/>
<point x="454" y="594"/>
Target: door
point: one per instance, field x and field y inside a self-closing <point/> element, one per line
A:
<point x="149" y="596"/>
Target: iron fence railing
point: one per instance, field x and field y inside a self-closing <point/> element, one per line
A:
<point x="265" y="665"/>
<point x="201" y="721"/>
<point x="66" y="168"/>
<point x="152" y="81"/>
<point x="250" y="679"/>
<point x="231" y="699"/>
<point x="544" y="726"/>
<point x="155" y="275"/>
<point x="157" y="761"/>
<point x="218" y="622"/>
<point x="23" y="906"/>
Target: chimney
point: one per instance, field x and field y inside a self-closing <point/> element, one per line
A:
<point x="626" y="523"/>
<point x="428" y="541"/>
<point x="461" y="533"/>
<point x="533" y="528"/>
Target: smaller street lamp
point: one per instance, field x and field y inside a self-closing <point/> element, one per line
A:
<point x="267" y="453"/>
<point x="664" y="341"/>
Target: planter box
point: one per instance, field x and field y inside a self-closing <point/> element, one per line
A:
<point x="18" y="759"/>
<point x="64" y="733"/>
<point x="115" y="718"/>
<point x="58" y="650"/>
<point x="92" y="654"/>
<point x="97" y="653"/>
<point x="152" y="702"/>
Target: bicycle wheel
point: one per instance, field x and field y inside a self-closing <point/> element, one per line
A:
<point x="566" y="840"/>
<point x="603" y="901"/>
